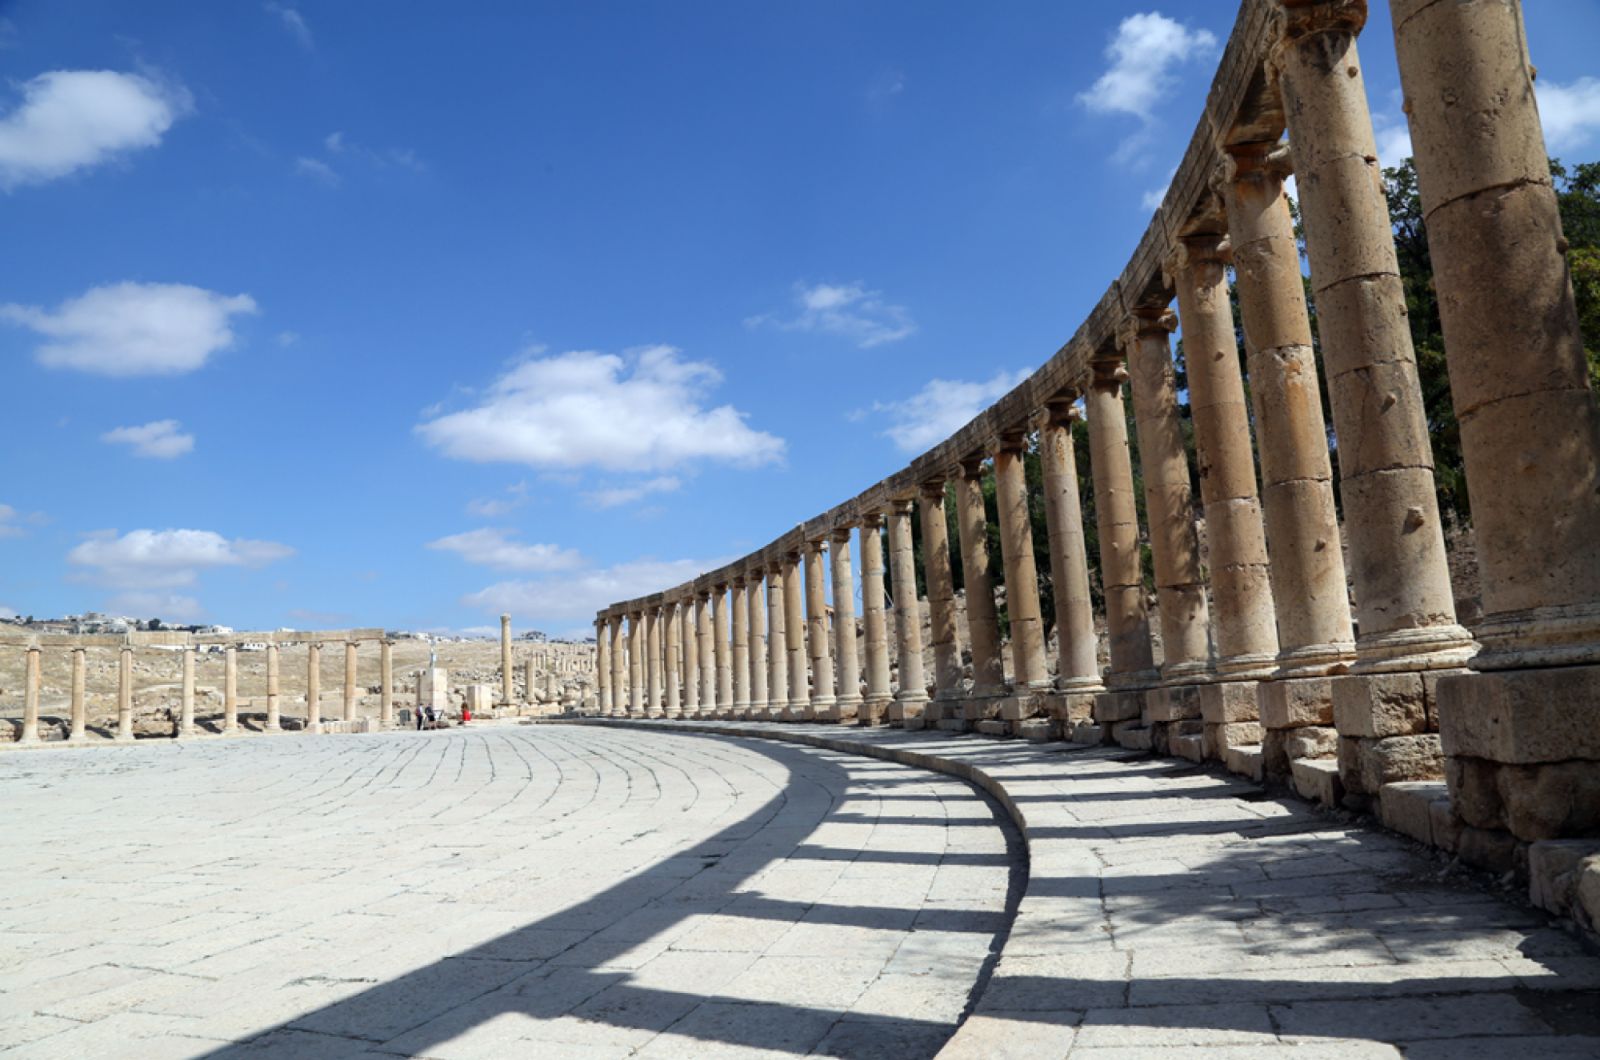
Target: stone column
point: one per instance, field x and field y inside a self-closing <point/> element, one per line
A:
<point x="721" y="649"/>
<point x="313" y="687"/>
<point x="125" y="694"/>
<point x="1168" y="500"/>
<point x="1405" y="611"/>
<point x="913" y="694"/>
<point x="602" y="647"/>
<point x="1523" y="734"/>
<point x="652" y="662"/>
<point x="759" y="655"/>
<point x="704" y="638"/>
<point x="672" y="649"/>
<point x="80" y="685"/>
<point x="1241" y="587"/>
<point x="386" y="683"/>
<point x="742" y="594"/>
<point x="30" y="698"/>
<point x="689" y="647"/>
<point x="506" y="671"/>
<point x="823" y="699"/>
<point x="1028" y="670"/>
<point x="983" y="623"/>
<point x="619" y="670"/>
<point x="1077" y="658"/>
<point x="777" y="645"/>
<point x="530" y="673"/>
<point x="636" y="653"/>
<point x="186" y="704"/>
<point x="349" y="680"/>
<point x="798" y="705"/>
<point x="1310" y="597"/>
<point x="1121" y="578"/>
<point x="947" y="690"/>
<point x="230" y="690"/>
<point x="875" y="705"/>
<point x="848" y="689"/>
<point x="274" y="721"/>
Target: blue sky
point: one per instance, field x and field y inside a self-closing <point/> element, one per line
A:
<point x="326" y="313"/>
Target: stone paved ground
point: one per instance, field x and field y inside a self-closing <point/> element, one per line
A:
<point x="504" y="891"/>
<point x="1175" y="911"/>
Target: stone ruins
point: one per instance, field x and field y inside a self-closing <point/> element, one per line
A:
<point x="1322" y="655"/>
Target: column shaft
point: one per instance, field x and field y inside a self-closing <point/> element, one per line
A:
<point x="652" y="662"/>
<point x="30" y="697"/>
<point x="689" y="645"/>
<point x="741" y="595"/>
<point x="1311" y="602"/>
<point x="274" y="721"/>
<point x="386" y="683"/>
<point x="721" y="649"/>
<point x="907" y="614"/>
<point x="758" y="648"/>
<point x="80" y="685"/>
<point x="1405" y="611"/>
<point x="1117" y="519"/>
<point x="941" y="593"/>
<point x="1077" y="665"/>
<point x="635" y="664"/>
<point x="848" y="689"/>
<point x="125" y="694"/>
<point x="983" y="623"/>
<point x="877" y="634"/>
<point x="817" y="634"/>
<point x="350" y="681"/>
<point x="314" y="687"/>
<point x="777" y="644"/>
<point x="1241" y="587"/>
<point x="672" y="648"/>
<point x="186" y="703"/>
<point x="1022" y="576"/>
<point x="230" y="690"/>
<point x="506" y="674"/>
<point x="704" y="638"/>
<point x="619" y="669"/>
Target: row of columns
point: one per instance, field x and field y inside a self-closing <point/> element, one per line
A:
<point x="78" y="709"/>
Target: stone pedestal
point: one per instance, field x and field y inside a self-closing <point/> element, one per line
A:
<point x="1296" y="721"/>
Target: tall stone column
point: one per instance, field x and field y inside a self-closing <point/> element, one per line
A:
<point x="602" y="647"/>
<point x="708" y="660"/>
<point x="507" y="675"/>
<point x="983" y="623"/>
<point x="274" y="719"/>
<point x="758" y="649"/>
<point x="186" y="702"/>
<point x="875" y="704"/>
<point x="913" y="694"/>
<point x="1241" y="586"/>
<point x="741" y="594"/>
<point x="1405" y="610"/>
<point x="947" y="690"/>
<point x="313" y="687"/>
<point x="386" y="683"/>
<point x="848" y="689"/>
<point x="689" y="645"/>
<point x="636" y="652"/>
<point x="823" y="699"/>
<point x="1168" y="501"/>
<point x="1522" y="734"/>
<point x="530" y="674"/>
<point x="125" y="694"/>
<point x="1077" y="659"/>
<point x="672" y="649"/>
<point x="80" y="686"/>
<point x="1029" y="674"/>
<point x="30" y="697"/>
<point x="798" y="707"/>
<point x="619" y="669"/>
<point x="652" y="662"/>
<point x="349" y="680"/>
<point x="230" y="690"/>
<point x="721" y="649"/>
<point x="1117" y="519"/>
<point x="777" y="644"/>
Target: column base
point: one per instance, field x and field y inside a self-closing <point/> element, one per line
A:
<point x="1139" y="679"/>
<point x="1069" y="708"/>
<point x="981" y="706"/>
<point x="1256" y="667"/>
<point x="902" y="709"/>
<point x="1315" y="660"/>
<point x="873" y="712"/>
<point x="1430" y="648"/>
<point x="1539" y="637"/>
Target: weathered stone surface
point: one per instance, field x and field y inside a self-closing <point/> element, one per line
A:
<point x="1312" y="741"/>
<point x="1491" y="849"/>
<point x="1555" y="869"/>
<point x="1407" y="807"/>
<point x="1378" y="705"/>
<point x="1317" y="779"/>
<point x="1229" y="701"/>
<point x="1135" y="737"/>
<point x="1293" y="703"/>
<point x="1117" y="706"/>
<point x="1552" y="800"/>
<point x="1446" y="826"/>
<point x="1522" y="716"/>
<point x="1397" y="758"/>
<point x="1174" y="703"/>
<point x="1245" y="761"/>
<point x="1188" y="746"/>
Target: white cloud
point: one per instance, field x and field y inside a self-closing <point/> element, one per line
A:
<point x="1570" y="113"/>
<point x="849" y="310"/>
<point x="294" y="22"/>
<point x="126" y="329"/>
<point x="337" y="143"/>
<point x="576" y="597"/>
<point x="493" y="547"/>
<point x="142" y="560"/>
<point x="941" y="408"/>
<point x="317" y="170"/>
<point x="1143" y="53"/>
<point x="72" y="119"/>
<point x="8" y="522"/>
<point x="586" y="409"/>
<point x="161" y="440"/>
<point x="615" y="496"/>
<point x="515" y="496"/>
<point x="169" y="607"/>
<point x="288" y="338"/>
<point x="1393" y="138"/>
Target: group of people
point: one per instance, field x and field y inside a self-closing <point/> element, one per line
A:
<point x="429" y="717"/>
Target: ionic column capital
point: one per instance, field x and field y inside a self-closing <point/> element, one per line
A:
<point x="1012" y="441"/>
<point x="841" y="534"/>
<point x="1109" y="375"/>
<point x="971" y="468"/>
<point x="1295" y="20"/>
<point x="932" y="489"/>
<point x="1196" y="249"/>
<point x="1146" y="320"/>
<point x="1063" y="411"/>
<point x="902" y="505"/>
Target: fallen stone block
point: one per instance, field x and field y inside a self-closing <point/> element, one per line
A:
<point x="1088" y="733"/>
<point x="1555" y="871"/>
<point x="1038" y="730"/>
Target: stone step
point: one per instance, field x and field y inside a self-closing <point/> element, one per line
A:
<point x="1244" y="761"/>
<point x="1135" y="737"/>
<point x="955" y="725"/>
<point x="1317" y="779"/>
<point x="1190" y="747"/>
<point x="1088" y="733"/>
<point x="994" y="727"/>
<point x="1038" y="730"/>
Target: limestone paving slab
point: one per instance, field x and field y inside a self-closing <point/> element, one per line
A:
<point x="1175" y="910"/>
<point x="497" y="891"/>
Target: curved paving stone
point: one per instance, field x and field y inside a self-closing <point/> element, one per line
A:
<point x="1172" y="910"/>
<point x="501" y="891"/>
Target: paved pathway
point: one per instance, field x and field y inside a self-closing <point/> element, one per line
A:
<point x="504" y="891"/>
<point x="1173" y="911"/>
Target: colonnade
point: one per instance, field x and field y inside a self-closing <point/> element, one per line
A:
<point x="1319" y="650"/>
